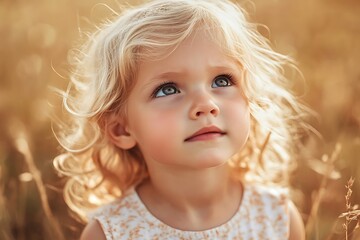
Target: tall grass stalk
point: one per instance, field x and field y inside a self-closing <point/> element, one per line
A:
<point x="5" y="232"/>
<point x="330" y="167"/>
<point x="21" y="142"/>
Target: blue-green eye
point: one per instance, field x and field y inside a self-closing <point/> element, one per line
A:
<point x="222" y="81"/>
<point x="165" y="90"/>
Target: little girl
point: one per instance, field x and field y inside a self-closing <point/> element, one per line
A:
<point x="181" y="127"/>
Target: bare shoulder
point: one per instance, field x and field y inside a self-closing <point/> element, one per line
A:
<point x="93" y="231"/>
<point x="297" y="230"/>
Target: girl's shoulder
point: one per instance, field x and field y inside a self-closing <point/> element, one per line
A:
<point x="272" y="205"/>
<point x="270" y="201"/>
<point x="115" y="218"/>
<point x="123" y="206"/>
<point x="266" y="209"/>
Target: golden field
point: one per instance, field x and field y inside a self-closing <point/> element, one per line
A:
<point x="322" y="35"/>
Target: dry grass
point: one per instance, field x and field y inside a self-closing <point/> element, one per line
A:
<point x="322" y="35"/>
<point x="352" y="212"/>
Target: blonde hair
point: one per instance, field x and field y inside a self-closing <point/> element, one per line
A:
<point x="103" y="76"/>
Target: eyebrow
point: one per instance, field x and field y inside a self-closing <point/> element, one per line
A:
<point x="212" y="69"/>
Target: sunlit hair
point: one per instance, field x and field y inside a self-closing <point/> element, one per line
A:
<point x="103" y="74"/>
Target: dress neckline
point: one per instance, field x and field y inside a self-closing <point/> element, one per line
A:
<point x="148" y="216"/>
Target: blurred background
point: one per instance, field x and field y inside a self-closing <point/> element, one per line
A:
<point x="322" y="35"/>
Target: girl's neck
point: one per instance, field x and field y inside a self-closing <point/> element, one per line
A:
<point x="201" y="198"/>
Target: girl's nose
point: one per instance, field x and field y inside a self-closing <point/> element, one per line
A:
<point x="203" y="105"/>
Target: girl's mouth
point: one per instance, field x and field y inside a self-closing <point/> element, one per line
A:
<point x="206" y="133"/>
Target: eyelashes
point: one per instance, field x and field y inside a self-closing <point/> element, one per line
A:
<point x="169" y="88"/>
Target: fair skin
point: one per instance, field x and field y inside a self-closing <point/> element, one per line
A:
<point x="188" y="116"/>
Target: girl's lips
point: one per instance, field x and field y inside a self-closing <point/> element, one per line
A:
<point x="207" y="133"/>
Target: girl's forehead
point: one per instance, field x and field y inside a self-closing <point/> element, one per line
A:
<point x="207" y="37"/>
<point x="199" y="42"/>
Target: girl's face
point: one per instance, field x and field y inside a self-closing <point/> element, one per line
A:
<point x="187" y="110"/>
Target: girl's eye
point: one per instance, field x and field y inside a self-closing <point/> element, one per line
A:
<point x="165" y="90"/>
<point x="222" y="81"/>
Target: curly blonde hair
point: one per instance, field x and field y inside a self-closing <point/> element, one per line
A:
<point x="103" y="74"/>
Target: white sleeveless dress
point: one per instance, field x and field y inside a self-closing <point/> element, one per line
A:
<point x="263" y="214"/>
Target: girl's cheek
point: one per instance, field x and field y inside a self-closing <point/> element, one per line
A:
<point x="160" y="123"/>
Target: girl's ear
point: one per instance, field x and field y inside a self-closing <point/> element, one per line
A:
<point x="119" y="136"/>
